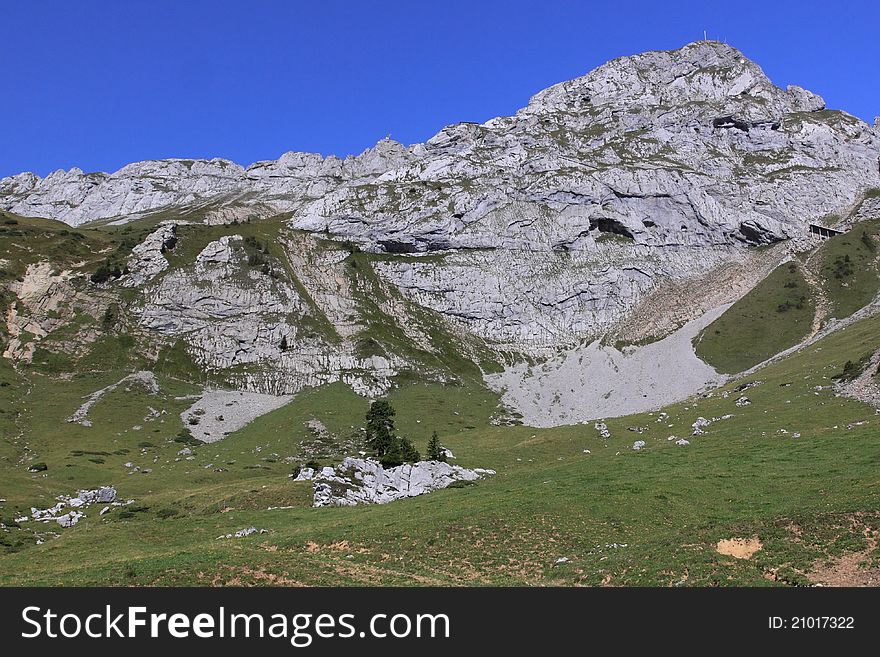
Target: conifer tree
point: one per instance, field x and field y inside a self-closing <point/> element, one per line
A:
<point x="436" y="451"/>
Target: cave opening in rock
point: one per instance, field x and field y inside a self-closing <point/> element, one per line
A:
<point x="731" y="122"/>
<point x="394" y="246"/>
<point x="610" y="226"/>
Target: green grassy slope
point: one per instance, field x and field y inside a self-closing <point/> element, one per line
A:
<point x="26" y="240"/>
<point x="621" y="517"/>
<point x="849" y="268"/>
<point x="774" y="315"/>
<point x="778" y="312"/>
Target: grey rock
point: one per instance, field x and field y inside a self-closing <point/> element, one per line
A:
<point x="147" y="259"/>
<point x="305" y="474"/>
<point x="82" y="500"/>
<point x="699" y="426"/>
<point x="363" y="481"/>
<point x="69" y="519"/>
<point x="242" y="533"/>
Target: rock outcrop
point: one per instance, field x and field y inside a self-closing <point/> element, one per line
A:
<point x="147" y="259"/>
<point x="364" y="481"/>
<point x="82" y="500"/>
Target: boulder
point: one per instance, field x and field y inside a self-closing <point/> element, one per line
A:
<point x="365" y="481"/>
<point x="305" y="474"/>
<point x="69" y="519"/>
<point x="700" y="424"/>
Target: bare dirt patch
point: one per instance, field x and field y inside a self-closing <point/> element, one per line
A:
<point x="247" y="576"/>
<point x="739" y="548"/>
<point x="852" y="569"/>
<point x="847" y="570"/>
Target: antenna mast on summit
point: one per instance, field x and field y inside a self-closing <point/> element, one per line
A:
<point x="705" y="37"/>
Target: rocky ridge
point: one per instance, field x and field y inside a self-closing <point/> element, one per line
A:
<point x="604" y="205"/>
<point x="697" y="139"/>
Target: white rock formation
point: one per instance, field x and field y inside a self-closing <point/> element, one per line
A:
<point x="69" y="519"/>
<point x="699" y="425"/>
<point x="44" y="298"/>
<point x="234" y="316"/>
<point x="529" y="235"/>
<point x="242" y="533"/>
<point x="147" y="259"/>
<point x="83" y="499"/>
<point x="364" y="481"/>
<point x="305" y="474"/>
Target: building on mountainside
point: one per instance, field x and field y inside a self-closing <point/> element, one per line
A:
<point x="823" y="231"/>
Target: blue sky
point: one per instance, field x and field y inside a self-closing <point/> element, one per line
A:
<point x="100" y="84"/>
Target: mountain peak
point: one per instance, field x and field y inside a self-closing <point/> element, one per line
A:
<point x="648" y="126"/>
<point x="700" y="72"/>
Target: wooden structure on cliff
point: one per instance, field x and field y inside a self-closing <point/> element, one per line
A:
<point x="823" y="231"/>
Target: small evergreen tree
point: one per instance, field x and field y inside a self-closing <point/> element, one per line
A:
<point x="110" y="317"/>
<point x="400" y="451"/>
<point x="382" y="438"/>
<point x="436" y="451"/>
<point x="380" y="427"/>
<point x="105" y="272"/>
<point x="283" y="344"/>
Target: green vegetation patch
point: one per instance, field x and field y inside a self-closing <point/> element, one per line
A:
<point x="775" y="315"/>
<point x="849" y="268"/>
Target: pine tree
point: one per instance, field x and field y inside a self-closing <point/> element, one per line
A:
<point x="283" y="345"/>
<point x="382" y="438"/>
<point x="380" y="427"/>
<point x="400" y="451"/>
<point x="436" y="451"/>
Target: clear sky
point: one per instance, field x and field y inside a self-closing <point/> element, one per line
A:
<point x="98" y="84"/>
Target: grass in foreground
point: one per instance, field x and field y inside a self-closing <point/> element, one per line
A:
<point x="619" y="516"/>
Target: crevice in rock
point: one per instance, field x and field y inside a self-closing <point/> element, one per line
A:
<point x="604" y="225"/>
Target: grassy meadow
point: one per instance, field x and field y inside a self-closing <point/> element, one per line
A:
<point x="617" y="516"/>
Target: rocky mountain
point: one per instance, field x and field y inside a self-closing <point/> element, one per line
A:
<point x="617" y="206"/>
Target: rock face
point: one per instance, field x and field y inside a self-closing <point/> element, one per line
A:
<point x="362" y="481"/>
<point x="46" y="300"/>
<point x="148" y="258"/>
<point x="257" y="323"/>
<point x="607" y="206"/>
<point x="697" y="140"/>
